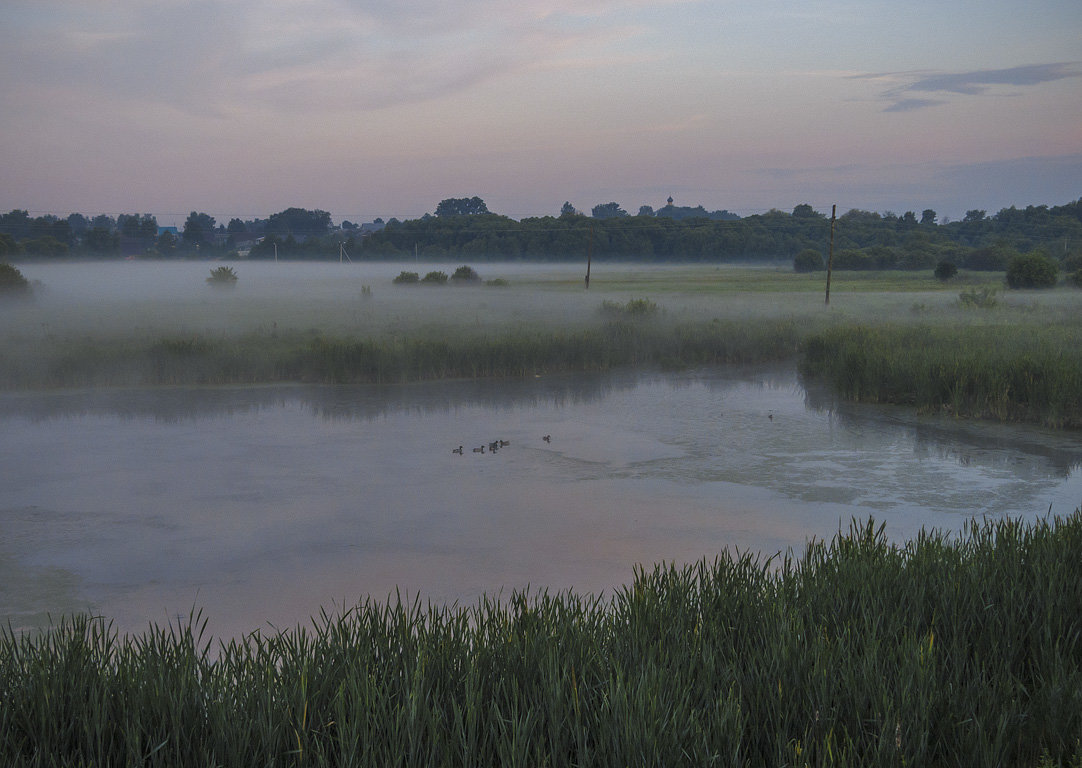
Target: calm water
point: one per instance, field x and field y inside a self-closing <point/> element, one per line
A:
<point x="260" y="505"/>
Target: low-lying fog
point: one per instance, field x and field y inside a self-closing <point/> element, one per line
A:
<point x="126" y="298"/>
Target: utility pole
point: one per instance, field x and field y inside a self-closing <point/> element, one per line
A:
<point x="589" y="255"/>
<point x="830" y="257"/>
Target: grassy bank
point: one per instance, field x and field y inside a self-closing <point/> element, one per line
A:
<point x="958" y="650"/>
<point x="1009" y="372"/>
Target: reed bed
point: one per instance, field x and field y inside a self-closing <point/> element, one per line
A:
<point x="947" y="650"/>
<point x="1022" y="372"/>
<point x="318" y="357"/>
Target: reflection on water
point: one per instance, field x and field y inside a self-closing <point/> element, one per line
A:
<point x="263" y="504"/>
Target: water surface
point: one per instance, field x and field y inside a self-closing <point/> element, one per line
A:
<point x="261" y="505"/>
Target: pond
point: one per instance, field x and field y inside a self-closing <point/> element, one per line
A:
<point x="262" y="505"/>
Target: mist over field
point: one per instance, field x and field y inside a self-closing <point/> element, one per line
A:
<point x="133" y="299"/>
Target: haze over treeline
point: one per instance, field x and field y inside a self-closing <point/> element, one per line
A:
<point x="464" y="228"/>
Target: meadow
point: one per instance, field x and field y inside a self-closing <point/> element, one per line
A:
<point x="952" y="649"/>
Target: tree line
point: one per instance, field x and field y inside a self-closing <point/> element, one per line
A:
<point x="464" y="228"/>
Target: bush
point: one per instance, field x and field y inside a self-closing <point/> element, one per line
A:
<point x="407" y="278"/>
<point x="222" y="276"/>
<point x="465" y="274"/>
<point x="12" y="280"/>
<point x="1032" y="270"/>
<point x="945" y="270"/>
<point x="1075" y="279"/>
<point x="978" y="298"/>
<point x="498" y="282"/>
<point x="633" y="308"/>
<point x="808" y="260"/>
<point x="435" y="278"/>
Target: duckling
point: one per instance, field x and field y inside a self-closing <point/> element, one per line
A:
<point x="479" y="450"/>
<point x="457" y="450"/>
<point x="505" y="443"/>
<point x="495" y="446"/>
<point x="547" y="438"/>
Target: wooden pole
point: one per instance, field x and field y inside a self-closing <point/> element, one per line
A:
<point x="589" y="255"/>
<point x="830" y="258"/>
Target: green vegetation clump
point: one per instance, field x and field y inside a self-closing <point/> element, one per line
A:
<point x="634" y="308"/>
<point x="978" y="298"/>
<point x="808" y="260"/>
<point x="1003" y="372"/>
<point x="407" y="278"/>
<point x="1032" y="270"/>
<point x="435" y="278"/>
<point x="466" y="275"/>
<point x="945" y="650"/>
<point x="222" y="276"/>
<point x="497" y="282"/>
<point x="945" y="270"/>
<point x="12" y="281"/>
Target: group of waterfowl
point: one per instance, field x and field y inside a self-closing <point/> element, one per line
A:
<point x="494" y="446"/>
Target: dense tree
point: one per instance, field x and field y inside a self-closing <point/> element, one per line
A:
<point x="608" y="211"/>
<point x="12" y="281"/>
<point x="101" y="241"/>
<point x="805" y="211"/>
<point x="461" y="206"/>
<point x="300" y="223"/>
<point x="567" y="209"/>
<point x="927" y="217"/>
<point x="945" y="270"/>
<point x="646" y="210"/>
<point x="808" y="260"/>
<point x="8" y="246"/>
<point x="198" y="229"/>
<point x="79" y="224"/>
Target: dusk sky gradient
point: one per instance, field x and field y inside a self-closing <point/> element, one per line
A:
<point x="241" y="108"/>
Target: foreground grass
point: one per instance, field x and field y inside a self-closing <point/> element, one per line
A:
<point x="947" y="651"/>
<point x="1005" y="372"/>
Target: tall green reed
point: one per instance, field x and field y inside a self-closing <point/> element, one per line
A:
<point x="944" y="650"/>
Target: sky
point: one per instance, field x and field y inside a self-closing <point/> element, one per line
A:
<point x="381" y="108"/>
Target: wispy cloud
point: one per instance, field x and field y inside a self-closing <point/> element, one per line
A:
<point x="209" y="55"/>
<point x="901" y="98"/>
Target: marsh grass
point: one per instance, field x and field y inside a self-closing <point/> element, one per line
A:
<point x="514" y="350"/>
<point x="1016" y="372"/>
<point x="958" y="650"/>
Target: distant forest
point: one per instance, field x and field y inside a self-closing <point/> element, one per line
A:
<point x="463" y="229"/>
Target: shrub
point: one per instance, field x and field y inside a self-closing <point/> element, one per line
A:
<point x="633" y="308"/>
<point x="1071" y="263"/>
<point x="435" y="278"/>
<point x="1032" y="270"/>
<point x="945" y="270"/>
<point x="1075" y="278"/>
<point x="808" y="260"/>
<point x="465" y="274"/>
<point x="978" y="298"/>
<point x="222" y="276"/>
<point x="407" y="278"/>
<point x="12" y="280"/>
<point x="498" y="282"/>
